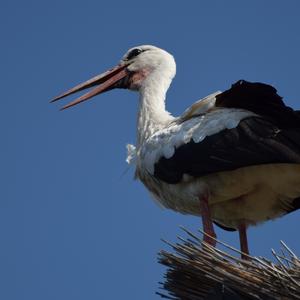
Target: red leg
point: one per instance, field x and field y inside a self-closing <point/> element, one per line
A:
<point x="243" y="240"/>
<point x="207" y="221"/>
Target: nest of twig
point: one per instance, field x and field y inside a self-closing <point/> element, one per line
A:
<point x="198" y="271"/>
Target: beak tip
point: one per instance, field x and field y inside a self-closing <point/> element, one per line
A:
<point x="56" y="98"/>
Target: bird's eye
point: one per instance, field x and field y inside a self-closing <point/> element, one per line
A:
<point x="133" y="53"/>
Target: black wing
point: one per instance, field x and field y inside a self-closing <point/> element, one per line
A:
<point x="273" y="137"/>
<point x="254" y="141"/>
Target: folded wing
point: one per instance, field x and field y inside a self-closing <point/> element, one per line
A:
<point x="270" y="135"/>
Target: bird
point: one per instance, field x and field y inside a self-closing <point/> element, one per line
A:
<point x="232" y="158"/>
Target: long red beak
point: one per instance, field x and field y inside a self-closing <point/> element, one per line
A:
<point x="105" y="82"/>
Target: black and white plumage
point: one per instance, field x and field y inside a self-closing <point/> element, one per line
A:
<point x="237" y="152"/>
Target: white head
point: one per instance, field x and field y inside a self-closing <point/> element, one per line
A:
<point x="140" y="67"/>
<point x="146" y="62"/>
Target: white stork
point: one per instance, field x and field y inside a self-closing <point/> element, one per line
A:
<point x="232" y="158"/>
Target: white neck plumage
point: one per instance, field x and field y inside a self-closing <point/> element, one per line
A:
<point x="152" y="114"/>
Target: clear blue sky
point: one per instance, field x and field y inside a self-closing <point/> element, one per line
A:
<point x="73" y="224"/>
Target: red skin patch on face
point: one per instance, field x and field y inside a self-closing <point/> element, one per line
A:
<point x="137" y="78"/>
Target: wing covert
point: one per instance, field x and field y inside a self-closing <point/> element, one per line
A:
<point x="254" y="141"/>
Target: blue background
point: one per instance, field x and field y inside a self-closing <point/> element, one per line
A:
<point x="73" y="222"/>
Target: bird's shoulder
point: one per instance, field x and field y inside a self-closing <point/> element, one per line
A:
<point x="201" y="106"/>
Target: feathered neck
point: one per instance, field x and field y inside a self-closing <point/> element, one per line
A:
<point x="152" y="115"/>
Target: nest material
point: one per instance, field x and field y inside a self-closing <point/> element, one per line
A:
<point x="198" y="271"/>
